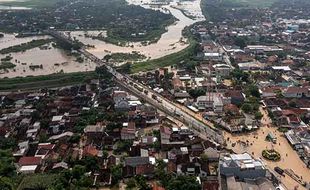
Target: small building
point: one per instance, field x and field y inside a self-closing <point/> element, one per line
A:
<point x="296" y="92"/>
<point x="120" y="100"/>
<point x="213" y="56"/>
<point x="28" y="164"/>
<point x="128" y="132"/>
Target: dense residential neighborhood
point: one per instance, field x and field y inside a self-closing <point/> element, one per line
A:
<point x="233" y="115"/>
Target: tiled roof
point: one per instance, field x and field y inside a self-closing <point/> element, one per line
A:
<point x="27" y="161"/>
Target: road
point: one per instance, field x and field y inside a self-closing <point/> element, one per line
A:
<point x="201" y="127"/>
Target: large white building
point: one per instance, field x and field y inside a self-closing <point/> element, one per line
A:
<point x="241" y="166"/>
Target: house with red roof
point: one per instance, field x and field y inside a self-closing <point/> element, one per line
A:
<point x="296" y="92"/>
<point x="29" y="164"/>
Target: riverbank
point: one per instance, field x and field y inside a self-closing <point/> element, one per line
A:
<point x="45" y="81"/>
<point x="25" y="46"/>
<point x="168" y="60"/>
<point x="170" y="42"/>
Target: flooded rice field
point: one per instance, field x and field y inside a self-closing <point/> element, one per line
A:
<point x="39" y="61"/>
<point x="52" y="60"/>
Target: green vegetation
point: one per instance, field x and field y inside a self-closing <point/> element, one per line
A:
<point x="252" y="3"/>
<point x="120" y="36"/>
<point x="121" y="57"/>
<point x="171" y="59"/>
<point x="6" y="65"/>
<point x="239" y="76"/>
<point x="47" y="81"/>
<point x="258" y="115"/>
<point x="283" y="129"/>
<point x="53" y="80"/>
<point x="123" y="22"/>
<point x="172" y="182"/>
<point x="72" y="179"/>
<point x="195" y="93"/>
<point x="271" y="155"/>
<point x="25" y="46"/>
<point x="7" y="170"/>
<point x="37" y="181"/>
<point x="116" y="172"/>
<point x="219" y="10"/>
<point x="252" y="90"/>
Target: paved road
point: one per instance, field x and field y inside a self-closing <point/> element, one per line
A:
<point x="181" y="113"/>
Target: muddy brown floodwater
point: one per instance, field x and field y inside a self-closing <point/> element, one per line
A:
<point x="257" y="143"/>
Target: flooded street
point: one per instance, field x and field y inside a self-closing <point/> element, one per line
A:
<point x="257" y="143"/>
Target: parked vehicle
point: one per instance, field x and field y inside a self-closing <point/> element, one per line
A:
<point x="279" y="171"/>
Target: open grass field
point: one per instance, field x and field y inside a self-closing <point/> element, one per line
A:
<point x="47" y="81"/>
<point x="168" y="60"/>
<point x="37" y="181"/>
<point x="165" y="61"/>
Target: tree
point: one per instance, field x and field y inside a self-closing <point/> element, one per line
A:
<point x="7" y="168"/>
<point x="183" y="182"/>
<point x="258" y="115"/>
<point x="253" y="91"/>
<point x="246" y="107"/>
<point x="85" y="181"/>
<point x="6" y="183"/>
<point x="292" y="103"/>
<point x="161" y="174"/>
<point x="126" y="68"/>
<point x="78" y="171"/>
<point x="131" y="184"/>
<point x="103" y="72"/>
<point x="204" y="157"/>
<point x="90" y="162"/>
<point x="105" y="154"/>
<point x="112" y="126"/>
<point x="141" y="183"/>
<point x="44" y="123"/>
<point x="241" y="42"/>
<point x="195" y="93"/>
<point x="116" y="172"/>
<point x="240" y="76"/>
<point x="7" y="143"/>
<point x="75" y="138"/>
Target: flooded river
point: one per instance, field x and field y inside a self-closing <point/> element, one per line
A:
<point x="55" y="60"/>
<point x="4" y="7"/>
<point x="170" y="42"/>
